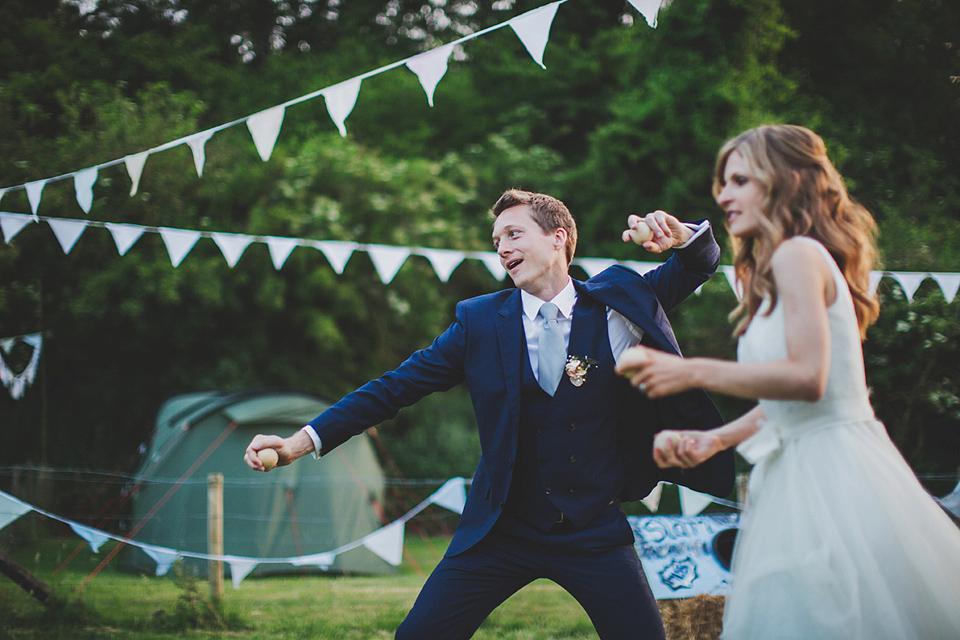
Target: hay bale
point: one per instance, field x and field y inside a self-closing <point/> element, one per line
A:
<point x="696" y="618"/>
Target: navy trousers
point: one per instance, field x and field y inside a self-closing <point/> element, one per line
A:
<point x="598" y="566"/>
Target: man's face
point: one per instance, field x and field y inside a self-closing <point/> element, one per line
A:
<point x="536" y="261"/>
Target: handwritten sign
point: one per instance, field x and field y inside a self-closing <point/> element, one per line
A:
<point x="682" y="556"/>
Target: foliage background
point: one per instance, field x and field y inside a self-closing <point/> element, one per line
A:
<point x="624" y="119"/>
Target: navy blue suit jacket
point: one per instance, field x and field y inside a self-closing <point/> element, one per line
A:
<point x="485" y="347"/>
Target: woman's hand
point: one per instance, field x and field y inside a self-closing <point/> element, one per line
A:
<point x="685" y="449"/>
<point x="656" y="373"/>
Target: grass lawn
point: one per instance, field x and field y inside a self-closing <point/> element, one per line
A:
<point x="119" y="605"/>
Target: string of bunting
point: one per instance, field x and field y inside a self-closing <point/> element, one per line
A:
<point x="532" y="28"/>
<point x="387" y="259"/>
<point x="386" y="542"/>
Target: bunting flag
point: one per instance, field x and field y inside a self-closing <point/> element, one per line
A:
<point x="17" y="383"/>
<point x="693" y="502"/>
<point x="34" y="193"/>
<point x="593" y="266"/>
<point x="67" y="232"/>
<point x="322" y="561"/>
<point x="280" y="250"/>
<point x="124" y="235"/>
<point x="387" y="543"/>
<point x="444" y="261"/>
<point x="83" y="182"/>
<point x="134" y="165"/>
<point x="163" y="556"/>
<point x="11" y="509"/>
<point x="533" y="29"/>
<point x="387" y="260"/>
<point x="452" y="495"/>
<point x="949" y="284"/>
<point x="492" y="262"/>
<point x="232" y="245"/>
<point x="337" y="253"/>
<point x="652" y="501"/>
<point x="179" y="242"/>
<point x="240" y="568"/>
<point x="649" y="9"/>
<point x="93" y="537"/>
<point x="340" y="99"/>
<point x="264" y="128"/>
<point x="12" y="223"/>
<point x="197" y="144"/>
<point x="430" y="67"/>
<point x="910" y="283"/>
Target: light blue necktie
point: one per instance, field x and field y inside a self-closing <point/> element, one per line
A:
<point x="551" y="351"/>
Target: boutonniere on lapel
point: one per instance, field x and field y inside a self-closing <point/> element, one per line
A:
<point x="577" y="367"/>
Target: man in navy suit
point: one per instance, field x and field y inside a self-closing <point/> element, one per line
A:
<point x="557" y="461"/>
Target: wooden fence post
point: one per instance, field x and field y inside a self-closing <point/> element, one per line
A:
<point x="215" y="534"/>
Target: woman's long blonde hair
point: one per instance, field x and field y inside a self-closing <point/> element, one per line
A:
<point x="805" y="196"/>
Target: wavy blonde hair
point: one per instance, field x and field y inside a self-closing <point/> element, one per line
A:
<point x="804" y="196"/>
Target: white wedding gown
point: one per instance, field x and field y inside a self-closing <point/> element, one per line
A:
<point x="839" y="540"/>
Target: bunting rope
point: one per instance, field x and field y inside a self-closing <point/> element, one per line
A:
<point x="532" y="28"/>
<point x="387" y="259"/>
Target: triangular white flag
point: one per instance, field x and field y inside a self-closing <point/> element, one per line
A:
<point x="232" y="245"/>
<point x="12" y="223"/>
<point x="134" y="164"/>
<point x="731" y="275"/>
<point x="280" y="250"/>
<point x="533" y="29"/>
<point x="83" y="182"/>
<point x="430" y="68"/>
<point x="17" y="383"/>
<point x="692" y="502"/>
<point x="593" y="266"/>
<point x="387" y="542"/>
<point x="240" y="568"/>
<point x="162" y="556"/>
<point x="93" y="537"/>
<point x="264" y="128"/>
<point x="649" y="9"/>
<point x="909" y="281"/>
<point x="67" y="231"/>
<point x="336" y="252"/>
<point x="340" y="99"/>
<point x="387" y="260"/>
<point x="949" y="284"/>
<point x="178" y="242"/>
<point x="320" y="560"/>
<point x="124" y="235"/>
<point x="34" y="193"/>
<point x="197" y="144"/>
<point x="492" y="262"/>
<point x="641" y="267"/>
<point x="875" y="278"/>
<point x="652" y="501"/>
<point x="452" y="495"/>
<point x="11" y="509"/>
<point x="444" y="261"/>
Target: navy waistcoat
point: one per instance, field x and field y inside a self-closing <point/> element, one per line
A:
<point x="568" y="454"/>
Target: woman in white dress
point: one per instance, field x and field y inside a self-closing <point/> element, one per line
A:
<point x="839" y="539"/>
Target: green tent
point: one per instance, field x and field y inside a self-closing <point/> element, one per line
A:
<point x="309" y="507"/>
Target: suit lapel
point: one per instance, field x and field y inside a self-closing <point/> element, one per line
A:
<point x="639" y="308"/>
<point x="512" y="350"/>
